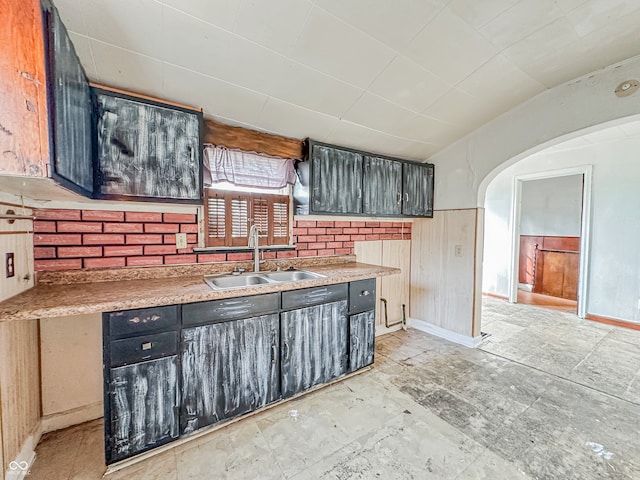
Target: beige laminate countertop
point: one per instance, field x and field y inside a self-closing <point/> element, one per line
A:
<point x="46" y="301"/>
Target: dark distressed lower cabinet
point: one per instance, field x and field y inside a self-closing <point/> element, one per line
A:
<point x="314" y="346"/>
<point x="228" y="369"/>
<point x="173" y="370"/>
<point x="362" y="331"/>
<point x="143" y="403"/>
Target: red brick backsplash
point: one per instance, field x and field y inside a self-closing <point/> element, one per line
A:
<point x="75" y="239"/>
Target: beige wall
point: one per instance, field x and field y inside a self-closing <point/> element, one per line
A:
<point x="444" y="284"/>
<point x="71" y="353"/>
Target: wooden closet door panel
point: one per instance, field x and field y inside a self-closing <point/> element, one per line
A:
<point x="553" y="274"/>
<point x="571" y="272"/>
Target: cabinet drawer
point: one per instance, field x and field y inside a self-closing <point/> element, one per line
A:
<point x="137" y="322"/>
<point x="313" y="296"/>
<point x="229" y="309"/>
<point x="362" y="295"/>
<point x="145" y="347"/>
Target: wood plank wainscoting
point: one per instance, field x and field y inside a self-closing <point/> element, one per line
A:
<point x="395" y="288"/>
<point x="550" y="265"/>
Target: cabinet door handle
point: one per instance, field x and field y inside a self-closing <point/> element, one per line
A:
<point x="191" y="154"/>
<point x="274" y="353"/>
<point x="399" y="197"/>
<point x="355" y="342"/>
<point x="365" y="293"/>
<point x="286" y="352"/>
<point x="406" y="196"/>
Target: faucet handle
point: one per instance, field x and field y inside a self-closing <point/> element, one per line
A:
<point x="237" y="271"/>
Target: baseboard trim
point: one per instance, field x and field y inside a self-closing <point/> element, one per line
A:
<point x="19" y="468"/>
<point x="613" y="321"/>
<point x="75" y="416"/>
<point x="494" y="295"/>
<point x="467" y="341"/>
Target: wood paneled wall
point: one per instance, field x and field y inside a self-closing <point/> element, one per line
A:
<point x="19" y="386"/>
<point x="394" y="288"/>
<point x="251" y="140"/>
<point x="443" y="285"/>
<point x="23" y="116"/>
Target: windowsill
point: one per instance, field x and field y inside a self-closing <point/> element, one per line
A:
<point x="265" y="248"/>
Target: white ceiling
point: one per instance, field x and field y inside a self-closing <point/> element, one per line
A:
<point x="401" y="77"/>
<point x="629" y="130"/>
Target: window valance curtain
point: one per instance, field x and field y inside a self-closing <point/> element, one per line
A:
<point x="247" y="169"/>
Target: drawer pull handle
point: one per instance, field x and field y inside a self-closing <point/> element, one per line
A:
<point x="233" y="302"/>
<point x="365" y="293"/>
<point x="147" y="346"/>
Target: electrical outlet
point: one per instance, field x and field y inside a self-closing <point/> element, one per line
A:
<point x="10" y="265"/>
<point x="457" y="250"/>
<point x="181" y="240"/>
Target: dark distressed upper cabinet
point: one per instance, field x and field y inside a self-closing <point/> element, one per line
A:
<point x="228" y="369"/>
<point x="142" y="406"/>
<point x="146" y="150"/>
<point x="342" y="181"/>
<point x="69" y="98"/>
<point x="313" y="346"/>
<point x="382" y="186"/>
<point x="418" y="190"/>
<point x="336" y="180"/>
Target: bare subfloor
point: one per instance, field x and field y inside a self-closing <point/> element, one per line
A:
<point x="548" y="396"/>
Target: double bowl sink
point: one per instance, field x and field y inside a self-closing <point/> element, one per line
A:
<point x="227" y="282"/>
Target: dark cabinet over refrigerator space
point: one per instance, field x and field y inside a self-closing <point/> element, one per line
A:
<point x="342" y="181"/>
<point x="69" y="105"/>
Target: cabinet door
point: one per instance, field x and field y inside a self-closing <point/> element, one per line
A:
<point x="146" y="151"/>
<point x="70" y="98"/>
<point x="382" y="186"/>
<point x="336" y="180"/>
<point x="228" y="369"/>
<point x="362" y="329"/>
<point x="143" y="407"/>
<point x="314" y="346"/>
<point x="417" y="190"/>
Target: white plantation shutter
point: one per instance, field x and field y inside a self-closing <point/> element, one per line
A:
<point x="281" y="222"/>
<point x="230" y="215"/>
<point x="216" y="225"/>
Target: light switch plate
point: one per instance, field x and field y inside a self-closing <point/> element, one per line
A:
<point x="181" y="240"/>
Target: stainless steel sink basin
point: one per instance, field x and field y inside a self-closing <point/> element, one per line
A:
<point x="226" y="282"/>
<point x="292" y="275"/>
<point x="218" y="282"/>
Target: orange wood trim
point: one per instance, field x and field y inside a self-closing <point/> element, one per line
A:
<point x="145" y="97"/>
<point x="613" y="321"/>
<point x="16" y="233"/>
<point x="251" y="140"/>
<point x="493" y="295"/>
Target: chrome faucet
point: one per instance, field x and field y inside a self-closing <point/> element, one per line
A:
<point x="253" y="243"/>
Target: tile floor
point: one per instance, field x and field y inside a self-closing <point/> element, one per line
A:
<point x="547" y="396"/>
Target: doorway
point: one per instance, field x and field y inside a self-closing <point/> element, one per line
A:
<point x="550" y="220"/>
